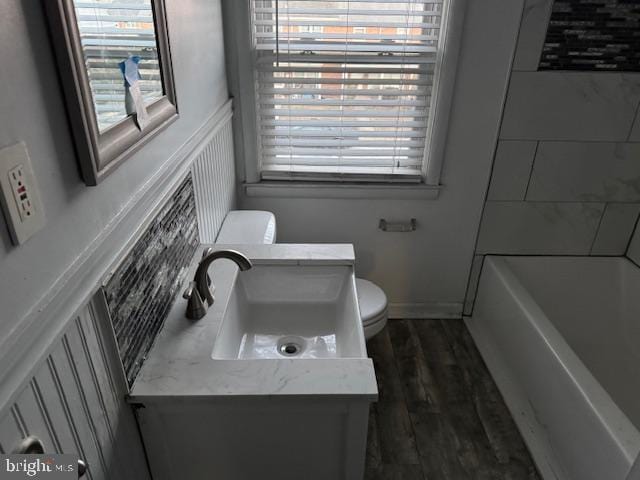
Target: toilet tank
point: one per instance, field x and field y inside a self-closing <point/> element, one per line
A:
<point x="248" y="227"/>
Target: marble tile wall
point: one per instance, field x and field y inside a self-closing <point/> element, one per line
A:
<point x="566" y="172"/>
<point x="585" y="172"/>
<point x="571" y="106"/>
<point x="512" y="166"/>
<point x="142" y="289"/>
<point x="533" y="30"/>
<point x="540" y="228"/>
<point x="550" y="190"/>
<point x="616" y="228"/>
<point x="635" y="130"/>
<point x="633" y="252"/>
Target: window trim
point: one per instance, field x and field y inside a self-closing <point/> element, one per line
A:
<point x="241" y="76"/>
<point x="345" y="190"/>
<point x="444" y="85"/>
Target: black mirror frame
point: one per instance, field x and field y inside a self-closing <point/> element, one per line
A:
<point x="99" y="154"/>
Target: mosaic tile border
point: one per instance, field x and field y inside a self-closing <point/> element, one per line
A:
<point x="144" y="286"/>
<point x="593" y="35"/>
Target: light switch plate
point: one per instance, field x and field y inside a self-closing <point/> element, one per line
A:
<point x="20" y="195"/>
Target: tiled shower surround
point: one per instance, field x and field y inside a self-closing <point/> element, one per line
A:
<point x="601" y="35"/>
<point x="142" y="289"/>
<point x="566" y="176"/>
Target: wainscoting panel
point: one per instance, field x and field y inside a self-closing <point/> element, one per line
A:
<point x="214" y="181"/>
<point x="75" y="404"/>
<point x="61" y="377"/>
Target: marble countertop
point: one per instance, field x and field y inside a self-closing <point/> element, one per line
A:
<point x="180" y="363"/>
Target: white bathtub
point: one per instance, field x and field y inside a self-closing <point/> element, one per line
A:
<point x="561" y="336"/>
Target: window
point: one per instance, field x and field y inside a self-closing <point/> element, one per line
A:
<point x="344" y="88"/>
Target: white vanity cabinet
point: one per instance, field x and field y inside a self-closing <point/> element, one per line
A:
<point x="273" y="382"/>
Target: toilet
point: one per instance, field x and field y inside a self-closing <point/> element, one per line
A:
<point x="254" y="226"/>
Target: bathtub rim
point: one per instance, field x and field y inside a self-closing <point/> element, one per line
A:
<point x="617" y="424"/>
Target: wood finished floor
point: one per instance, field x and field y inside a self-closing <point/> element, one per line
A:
<point x="439" y="415"/>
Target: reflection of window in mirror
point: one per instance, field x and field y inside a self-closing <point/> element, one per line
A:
<point x="98" y="43"/>
<point x="111" y="31"/>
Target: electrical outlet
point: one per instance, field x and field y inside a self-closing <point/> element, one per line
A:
<point x="21" y="192"/>
<point x="20" y="197"/>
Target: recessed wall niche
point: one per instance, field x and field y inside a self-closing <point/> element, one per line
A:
<point x="593" y="35"/>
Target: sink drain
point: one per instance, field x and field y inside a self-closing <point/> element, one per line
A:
<point x="289" y="347"/>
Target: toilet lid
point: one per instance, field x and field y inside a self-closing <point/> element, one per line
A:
<point x="371" y="298"/>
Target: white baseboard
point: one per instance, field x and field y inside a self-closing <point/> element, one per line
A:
<point x="434" y="310"/>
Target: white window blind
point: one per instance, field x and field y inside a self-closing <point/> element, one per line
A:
<point x="344" y="87"/>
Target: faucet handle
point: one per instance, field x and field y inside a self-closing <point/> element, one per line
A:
<point x="189" y="291"/>
<point x="192" y="288"/>
<point x="196" y="307"/>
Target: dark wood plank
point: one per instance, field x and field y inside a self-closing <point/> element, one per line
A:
<point x="395" y="434"/>
<point x="462" y="345"/>
<point x="434" y="341"/>
<point x="499" y="427"/>
<point x="438" y="446"/>
<point x="440" y="414"/>
<point x="395" y="472"/>
<point x="381" y="352"/>
<point x="445" y="382"/>
<point x="410" y="362"/>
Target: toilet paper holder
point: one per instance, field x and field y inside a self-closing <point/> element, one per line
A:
<point x="409" y="226"/>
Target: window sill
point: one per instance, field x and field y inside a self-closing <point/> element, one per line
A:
<point x="341" y="190"/>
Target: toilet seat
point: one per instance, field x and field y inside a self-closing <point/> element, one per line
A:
<point x="377" y="319"/>
<point x="371" y="330"/>
<point x="373" y="307"/>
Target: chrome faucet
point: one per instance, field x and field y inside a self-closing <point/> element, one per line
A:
<point x="200" y="291"/>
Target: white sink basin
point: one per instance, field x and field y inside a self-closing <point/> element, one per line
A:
<point x="294" y="312"/>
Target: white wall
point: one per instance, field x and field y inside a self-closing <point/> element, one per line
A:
<point x="427" y="269"/>
<point x="31" y="110"/>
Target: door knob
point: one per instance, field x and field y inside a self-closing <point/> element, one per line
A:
<point x="32" y="445"/>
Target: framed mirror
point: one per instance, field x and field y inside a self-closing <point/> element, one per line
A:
<point x="115" y="66"/>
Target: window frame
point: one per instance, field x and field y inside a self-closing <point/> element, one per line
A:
<point x="242" y="82"/>
<point x="100" y="153"/>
